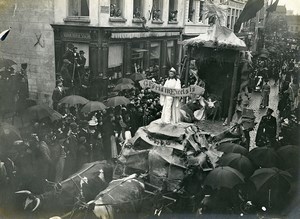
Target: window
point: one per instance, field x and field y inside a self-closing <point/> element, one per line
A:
<point x="157" y="10"/>
<point x="137" y="9"/>
<point x="173" y="6"/>
<point x="201" y="11"/>
<point x="116" y="8"/>
<point x="191" y="14"/>
<point x="154" y="58"/>
<point x="78" y="8"/>
<point x="115" y="61"/>
<point x="138" y="57"/>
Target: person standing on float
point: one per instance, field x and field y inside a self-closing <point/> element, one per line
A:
<point x="170" y="111"/>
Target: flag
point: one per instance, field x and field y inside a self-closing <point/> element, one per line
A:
<point x="272" y="7"/>
<point x="4" y="34"/>
<point x="249" y="11"/>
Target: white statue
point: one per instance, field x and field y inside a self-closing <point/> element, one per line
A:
<point x="171" y="111"/>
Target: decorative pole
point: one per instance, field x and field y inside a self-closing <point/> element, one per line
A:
<point x="233" y="87"/>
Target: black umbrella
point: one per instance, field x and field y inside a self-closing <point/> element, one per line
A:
<point x="229" y="147"/>
<point x="39" y="112"/>
<point x="73" y="100"/>
<point x="116" y="101"/>
<point x="289" y="155"/>
<point x="264" y="157"/>
<point x="224" y="177"/>
<point x="238" y="162"/>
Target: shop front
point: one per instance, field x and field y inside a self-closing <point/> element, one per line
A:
<point x="112" y="53"/>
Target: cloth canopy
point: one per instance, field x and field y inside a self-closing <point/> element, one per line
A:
<point x="217" y="37"/>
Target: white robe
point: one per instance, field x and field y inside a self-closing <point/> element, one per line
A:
<point x="171" y="111"/>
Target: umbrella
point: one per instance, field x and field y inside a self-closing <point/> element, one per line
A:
<point x="39" y="112"/>
<point x="116" y="101"/>
<point x="125" y="81"/>
<point x="93" y="106"/>
<point x="121" y="87"/>
<point x="8" y="133"/>
<point x="6" y="63"/>
<point x="271" y="177"/>
<point x="264" y="157"/>
<point x="229" y="147"/>
<point x="289" y="155"/>
<point x="224" y="177"/>
<point x="238" y="162"/>
<point x="137" y="77"/>
<point x="74" y="100"/>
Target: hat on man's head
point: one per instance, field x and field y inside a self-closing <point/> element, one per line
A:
<point x="173" y="70"/>
<point x="270" y="110"/>
<point x="81" y="52"/>
<point x="93" y="122"/>
<point x="24" y="65"/>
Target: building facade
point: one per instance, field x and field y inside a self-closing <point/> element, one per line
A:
<point x="31" y="41"/>
<point x="293" y="22"/>
<point x="120" y="37"/>
<point x="235" y="8"/>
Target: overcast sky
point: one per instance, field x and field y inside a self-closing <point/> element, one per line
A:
<point x="291" y="5"/>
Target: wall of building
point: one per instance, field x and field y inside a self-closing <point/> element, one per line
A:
<point x="100" y="14"/>
<point x="30" y="20"/>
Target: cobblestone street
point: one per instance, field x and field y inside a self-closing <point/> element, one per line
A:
<point x="254" y="104"/>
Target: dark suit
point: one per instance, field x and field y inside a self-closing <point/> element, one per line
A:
<point x="57" y="96"/>
<point x="266" y="132"/>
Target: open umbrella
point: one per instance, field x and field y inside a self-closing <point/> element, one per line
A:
<point x="229" y="147"/>
<point x="8" y="133"/>
<point x="272" y="185"/>
<point x="264" y="157"/>
<point x="93" y="106"/>
<point x="116" y="101"/>
<point x="74" y="100"/>
<point x="224" y="177"/>
<point x="6" y="63"/>
<point x="121" y="87"/>
<point x="238" y="162"/>
<point x="125" y="81"/>
<point x="289" y="155"/>
<point x="271" y="177"/>
<point x="39" y="112"/>
<point x="137" y="77"/>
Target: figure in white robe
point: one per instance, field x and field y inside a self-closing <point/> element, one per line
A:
<point x="171" y="111"/>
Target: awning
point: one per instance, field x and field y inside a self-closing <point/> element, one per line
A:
<point x="143" y="35"/>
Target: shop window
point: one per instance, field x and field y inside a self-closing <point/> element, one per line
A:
<point x="138" y="57"/>
<point x="115" y="61"/>
<point x="137" y="9"/>
<point x="191" y="15"/>
<point x="157" y="10"/>
<point x="171" y="54"/>
<point x="78" y="8"/>
<point x="173" y="10"/>
<point x="155" y="49"/>
<point x="116" y="7"/>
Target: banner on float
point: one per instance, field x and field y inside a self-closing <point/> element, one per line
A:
<point x="183" y="92"/>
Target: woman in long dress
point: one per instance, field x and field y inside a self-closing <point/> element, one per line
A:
<point x="170" y="111"/>
<point x="265" y="95"/>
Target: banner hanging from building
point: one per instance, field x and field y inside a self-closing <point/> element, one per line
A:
<point x="184" y="92"/>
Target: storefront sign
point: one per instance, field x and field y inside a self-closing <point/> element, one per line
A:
<point x="143" y="35"/>
<point x="184" y="92"/>
<point x="77" y="35"/>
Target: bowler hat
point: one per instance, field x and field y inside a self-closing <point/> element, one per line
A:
<point x="24" y="65"/>
<point x="81" y="52"/>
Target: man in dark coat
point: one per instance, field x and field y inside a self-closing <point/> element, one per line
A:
<point x="66" y="74"/>
<point x="267" y="129"/>
<point x="58" y="93"/>
<point x="69" y="54"/>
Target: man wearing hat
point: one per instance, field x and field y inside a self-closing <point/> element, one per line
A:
<point x="267" y="130"/>
<point x="69" y="54"/>
<point x="65" y="73"/>
<point x="58" y="93"/>
<point x="22" y="87"/>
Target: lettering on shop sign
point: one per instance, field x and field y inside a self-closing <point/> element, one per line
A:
<point x="104" y="9"/>
<point x="77" y="35"/>
<point x="184" y="92"/>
